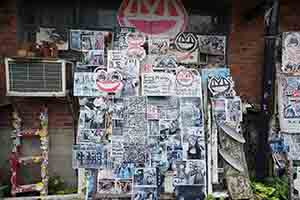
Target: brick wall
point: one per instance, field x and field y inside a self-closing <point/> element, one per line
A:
<point x="246" y="45"/>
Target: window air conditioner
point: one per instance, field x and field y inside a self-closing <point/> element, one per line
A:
<point x="36" y="77"/>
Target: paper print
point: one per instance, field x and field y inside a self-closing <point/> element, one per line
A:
<point x="158" y="84"/>
<point x="290" y="52"/>
<point x="191" y="172"/>
<point x="186" y="42"/>
<point x="89" y="156"/>
<point x="85" y="84"/>
<point x="153" y="128"/>
<point x="212" y="49"/>
<point x="190" y="192"/>
<point x="136" y="104"/>
<point x="193" y="143"/>
<point x="123" y="170"/>
<point x="117" y="147"/>
<point x="112" y="186"/>
<point x="142" y="193"/>
<point x="293" y="143"/>
<point x="85" y="40"/>
<point x="188" y="83"/>
<point x="289" y="103"/>
<point x="145" y="177"/>
<point x="191" y="112"/>
<point x="94" y="58"/>
<point x="129" y="70"/>
<point x="164" y="62"/>
<point x="168" y="107"/>
<point x="221" y="86"/>
<point x="158" y="45"/>
<point x="120" y="42"/>
<point x="51" y="35"/>
<point x="159" y="18"/>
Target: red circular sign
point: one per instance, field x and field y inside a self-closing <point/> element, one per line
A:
<point x="154" y="17"/>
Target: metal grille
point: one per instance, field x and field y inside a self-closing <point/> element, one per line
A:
<point x="27" y="76"/>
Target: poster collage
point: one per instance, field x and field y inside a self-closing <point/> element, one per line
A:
<point x="141" y="123"/>
<point x="286" y="137"/>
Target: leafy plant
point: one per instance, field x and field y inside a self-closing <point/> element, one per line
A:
<point x="56" y="185"/>
<point x="271" y="189"/>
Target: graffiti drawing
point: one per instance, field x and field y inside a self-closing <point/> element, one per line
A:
<point x="188" y="83"/>
<point x="159" y="18"/>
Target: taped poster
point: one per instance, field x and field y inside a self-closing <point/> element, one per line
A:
<point x="167" y="107"/>
<point x="290" y="52"/>
<point x="289" y="103"/>
<point x="193" y="144"/>
<point x="165" y="63"/>
<point x="158" y="45"/>
<point x="51" y="35"/>
<point x="221" y="86"/>
<point x="120" y="42"/>
<point x="158" y="84"/>
<point x="159" y="18"/>
<point x="90" y="156"/>
<point x="128" y="69"/>
<point x="212" y="49"/>
<point x="85" y="40"/>
<point x="191" y="172"/>
<point x="85" y="85"/>
<point x="191" y="112"/>
<point x="145" y="177"/>
<point x="112" y="186"/>
<point x="293" y="143"/>
<point x="188" y="83"/>
<point x="135" y="41"/>
<point x="185" y="48"/>
<point x="117" y="147"/>
<point x="190" y="192"/>
<point x="142" y="193"/>
<point x="93" y="58"/>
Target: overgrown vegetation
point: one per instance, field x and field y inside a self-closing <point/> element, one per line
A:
<point x="56" y="185"/>
<point x="274" y="188"/>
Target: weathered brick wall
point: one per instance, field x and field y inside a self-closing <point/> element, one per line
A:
<point x="8" y="42"/>
<point x="246" y="45"/>
<point x="245" y="51"/>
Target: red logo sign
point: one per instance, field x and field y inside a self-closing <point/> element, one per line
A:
<point x="154" y="17"/>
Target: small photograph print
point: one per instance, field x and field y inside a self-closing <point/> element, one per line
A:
<point x="92" y="119"/>
<point x="94" y="58"/>
<point x="191" y="112"/>
<point x="167" y="107"/>
<point x="106" y="186"/>
<point x="158" y="45"/>
<point x="91" y="135"/>
<point x="117" y="109"/>
<point x="124" y="186"/>
<point x="142" y="193"/>
<point x="123" y="170"/>
<point x="219" y="109"/>
<point x="145" y="177"/>
<point x="191" y="172"/>
<point x="167" y="128"/>
<point x="193" y="144"/>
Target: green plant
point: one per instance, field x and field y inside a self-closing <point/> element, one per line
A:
<point x="56" y="185"/>
<point x="271" y="189"/>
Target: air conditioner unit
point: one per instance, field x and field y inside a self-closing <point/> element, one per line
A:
<point x="36" y="77"/>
